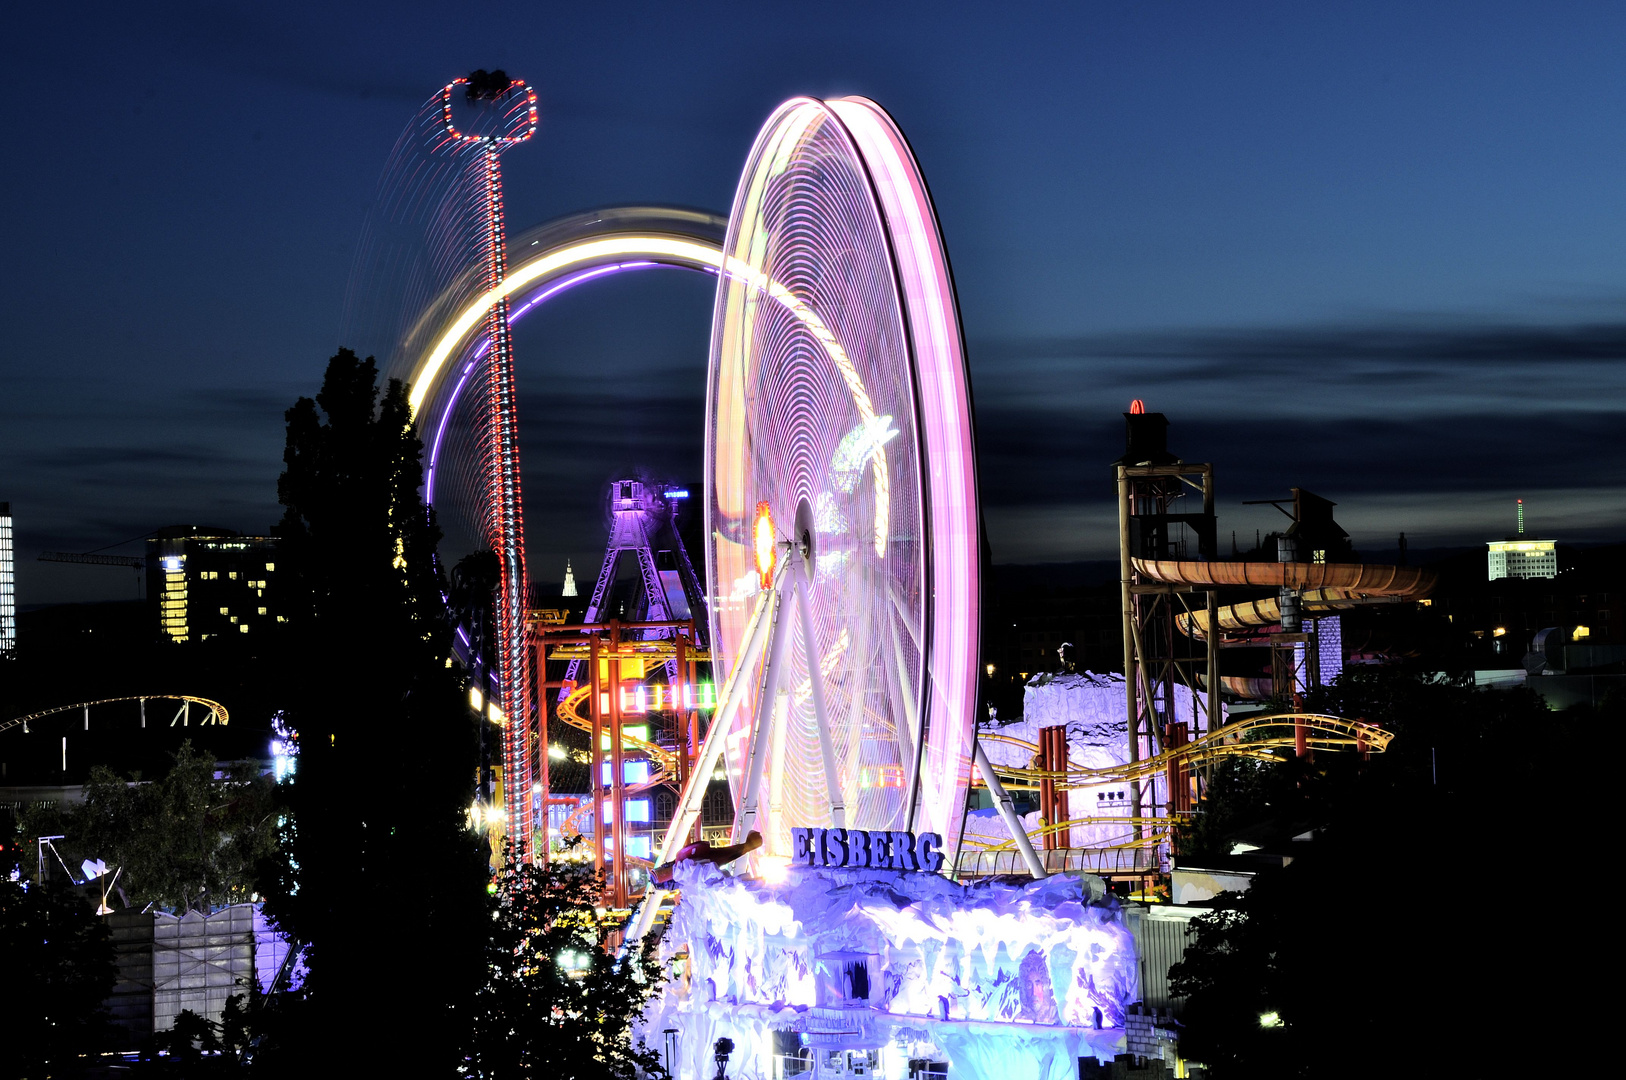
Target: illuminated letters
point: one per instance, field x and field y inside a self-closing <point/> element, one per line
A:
<point x="860" y="849"/>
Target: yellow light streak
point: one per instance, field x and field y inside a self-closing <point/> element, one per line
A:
<point x="427" y="375"/>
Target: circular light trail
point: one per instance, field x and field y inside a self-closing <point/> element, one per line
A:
<point x="844" y="407"/>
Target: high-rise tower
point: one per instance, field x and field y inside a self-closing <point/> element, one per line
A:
<point x="8" y="587"/>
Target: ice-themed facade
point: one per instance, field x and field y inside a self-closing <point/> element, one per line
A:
<point x="859" y="973"/>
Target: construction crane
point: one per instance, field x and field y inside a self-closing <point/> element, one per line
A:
<point x="98" y="560"/>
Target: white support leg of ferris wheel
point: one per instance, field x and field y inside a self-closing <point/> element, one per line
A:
<point x="918" y="722"/>
<point x="909" y="744"/>
<point x="694" y="792"/>
<point x="734" y="688"/>
<point x="821" y="718"/>
<point x="745" y="815"/>
<point x="1007" y="813"/>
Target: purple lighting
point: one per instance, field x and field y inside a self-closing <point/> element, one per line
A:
<point x="480" y="350"/>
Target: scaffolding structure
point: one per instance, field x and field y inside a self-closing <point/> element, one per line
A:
<point x="619" y="661"/>
<point x="641" y="649"/>
<point x="1157" y="522"/>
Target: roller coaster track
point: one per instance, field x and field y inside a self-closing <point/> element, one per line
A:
<point x="665" y="762"/>
<point x="569" y="712"/>
<point x="217" y="711"/>
<point x="1266" y="734"/>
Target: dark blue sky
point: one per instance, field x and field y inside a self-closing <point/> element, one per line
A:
<point x="1379" y="252"/>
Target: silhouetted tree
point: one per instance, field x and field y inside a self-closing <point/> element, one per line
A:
<point x="59" y="963"/>
<point x="556" y="1002"/>
<point x="378" y="873"/>
<point x="1415" y="911"/>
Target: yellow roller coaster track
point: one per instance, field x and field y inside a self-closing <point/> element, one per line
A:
<point x="665" y="761"/>
<point x="569" y="712"/>
<point x="1267" y="734"/>
<point x="217" y="711"/>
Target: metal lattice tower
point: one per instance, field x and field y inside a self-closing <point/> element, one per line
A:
<point x="642" y="527"/>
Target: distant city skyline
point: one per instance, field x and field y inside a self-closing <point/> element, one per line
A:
<point x="1378" y="252"/>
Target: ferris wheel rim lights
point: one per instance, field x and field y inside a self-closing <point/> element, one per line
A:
<point x="943" y="622"/>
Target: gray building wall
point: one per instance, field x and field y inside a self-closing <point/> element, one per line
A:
<point x="198" y="962"/>
<point x="1160" y="943"/>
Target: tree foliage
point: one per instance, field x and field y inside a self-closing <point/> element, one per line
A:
<point x="51" y="935"/>
<point x="556" y="1001"/>
<point x="377" y="872"/>
<point x="187" y="842"/>
<point x="1409" y="932"/>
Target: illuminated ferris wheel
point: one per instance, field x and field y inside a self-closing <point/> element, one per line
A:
<point x="841" y="507"/>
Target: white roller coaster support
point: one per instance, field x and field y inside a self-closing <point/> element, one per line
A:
<point x="821" y="719"/>
<point x="1007" y="813"/>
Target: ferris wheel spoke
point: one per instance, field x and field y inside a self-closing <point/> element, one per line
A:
<point x="821" y="716"/>
<point x="908" y="733"/>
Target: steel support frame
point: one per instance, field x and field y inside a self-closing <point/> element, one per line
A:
<point x="607" y="726"/>
<point x="1154" y="661"/>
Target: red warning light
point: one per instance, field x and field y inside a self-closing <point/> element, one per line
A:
<point x="1137" y="407"/>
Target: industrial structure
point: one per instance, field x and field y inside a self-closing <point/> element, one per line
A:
<point x="1158" y="524"/>
<point x="1175" y="628"/>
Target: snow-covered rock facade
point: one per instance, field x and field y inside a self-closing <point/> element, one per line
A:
<point x="999" y="979"/>
<point x="1094" y="709"/>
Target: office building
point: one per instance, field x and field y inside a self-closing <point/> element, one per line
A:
<point x="212" y="583"/>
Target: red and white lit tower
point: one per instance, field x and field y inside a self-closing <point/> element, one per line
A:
<point x="511" y="118"/>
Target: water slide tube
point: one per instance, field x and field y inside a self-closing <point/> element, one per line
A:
<point x="1321" y="586"/>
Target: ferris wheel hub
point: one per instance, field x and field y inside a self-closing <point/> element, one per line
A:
<point x="804" y="536"/>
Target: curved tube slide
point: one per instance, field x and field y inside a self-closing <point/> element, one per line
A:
<point x="1325" y="587"/>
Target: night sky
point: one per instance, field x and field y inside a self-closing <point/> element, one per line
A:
<point x="1378" y="252"/>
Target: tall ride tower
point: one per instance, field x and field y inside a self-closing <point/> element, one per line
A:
<point x="505" y="115"/>
<point x="1156" y="521"/>
<point x="643" y="526"/>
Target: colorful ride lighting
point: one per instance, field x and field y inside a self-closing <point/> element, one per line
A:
<point x="500" y="140"/>
<point x="650" y="250"/>
<point x="644" y="698"/>
<point x="881" y="776"/>
<point x="767" y="551"/>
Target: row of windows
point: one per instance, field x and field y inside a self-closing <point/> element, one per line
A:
<point x="231" y="575"/>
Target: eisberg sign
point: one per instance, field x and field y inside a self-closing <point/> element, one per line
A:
<point x="866" y="849"/>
